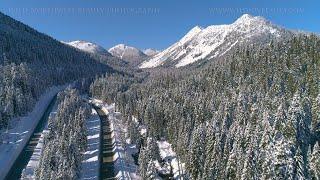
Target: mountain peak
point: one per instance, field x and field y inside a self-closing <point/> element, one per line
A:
<point x="194" y="31"/>
<point x="121" y="46"/>
<point x="79" y="41"/>
<point x="127" y="53"/>
<point x="216" y="40"/>
<point x="87" y="47"/>
<point x="247" y="18"/>
<point x="197" y="28"/>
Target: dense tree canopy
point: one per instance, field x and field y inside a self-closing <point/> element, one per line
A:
<point x="251" y="115"/>
<point x="31" y="62"/>
<point x="65" y="142"/>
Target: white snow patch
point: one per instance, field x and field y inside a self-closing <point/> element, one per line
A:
<point x="90" y="160"/>
<point x="143" y="130"/>
<point x="90" y="164"/>
<point x="168" y="155"/>
<point x="95" y="136"/>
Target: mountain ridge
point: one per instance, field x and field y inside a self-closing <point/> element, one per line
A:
<point x="89" y="47"/>
<point x="150" y="52"/>
<point x="216" y="40"/>
<point x="128" y="53"/>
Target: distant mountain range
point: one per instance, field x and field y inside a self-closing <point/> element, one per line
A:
<point x="217" y="40"/>
<point x="124" y="52"/>
<point x="198" y="45"/>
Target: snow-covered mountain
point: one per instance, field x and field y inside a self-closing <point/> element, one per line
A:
<point x="216" y="40"/>
<point x="150" y="52"/>
<point x="128" y="53"/>
<point x="88" y="47"/>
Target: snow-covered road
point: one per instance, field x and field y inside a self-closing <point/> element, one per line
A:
<point x="20" y="131"/>
<point x="29" y="171"/>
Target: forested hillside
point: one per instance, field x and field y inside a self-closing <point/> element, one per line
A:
<point x="31" y="62"/>
<point x="237" y="101"/>
<point x="253" y="115"/>
<point x="66" y="140"/>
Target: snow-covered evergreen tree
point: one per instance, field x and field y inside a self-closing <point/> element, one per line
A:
<point x="257" y="107"/>
<point x="314" y="162"/>
<point x="66" y="140"/>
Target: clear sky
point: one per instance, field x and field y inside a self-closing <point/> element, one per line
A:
<point x="151" y="23"/>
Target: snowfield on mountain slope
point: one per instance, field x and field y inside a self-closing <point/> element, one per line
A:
<point x="214" y="41"/>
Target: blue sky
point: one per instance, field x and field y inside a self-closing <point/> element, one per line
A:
<point x="151" y="24"/>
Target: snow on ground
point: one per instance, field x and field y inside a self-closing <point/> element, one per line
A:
<point x="20" y="131"/>
<point x="29" y="171"/>
<point x="169" y="156"/>
<point x="35" y="158"/>
<point x="142" y="128"/>
<point x="97" y="102"/>
<point x="123" y="160"/>
<point x="90" y="164"/>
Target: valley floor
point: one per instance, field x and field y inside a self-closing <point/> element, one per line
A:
<point x="124" y="165"/>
